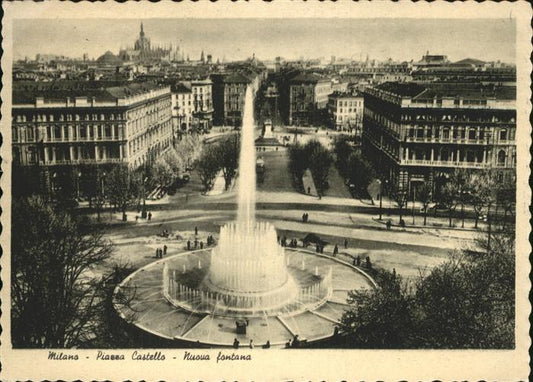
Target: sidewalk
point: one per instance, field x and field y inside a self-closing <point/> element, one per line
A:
<point x="309" y="184"/>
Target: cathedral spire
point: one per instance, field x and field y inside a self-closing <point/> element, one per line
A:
<point x="142" y="30"/>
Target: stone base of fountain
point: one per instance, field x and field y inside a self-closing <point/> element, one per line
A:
<point x="287" y="299"/>
<point x="312" y="316"/>
<point x="248" y="276"/>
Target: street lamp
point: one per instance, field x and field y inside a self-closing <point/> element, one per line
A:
<point x="78" y="185"/>
<point x="380" y="198"/>
<point x="414" y="197"/>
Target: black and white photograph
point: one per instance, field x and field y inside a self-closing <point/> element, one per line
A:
<point x="205" y="190"/>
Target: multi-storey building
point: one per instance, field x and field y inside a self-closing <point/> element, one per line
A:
<point x="346" y="111"/>
<point x="419" y="133"/>
<point x="229" y="91"/>
<point x="192" y="105"/>
<point x="84" y="124"/>
<point x="308" y="99"/>
<point x="182" y="107"/>
<point x="202" y="91"/>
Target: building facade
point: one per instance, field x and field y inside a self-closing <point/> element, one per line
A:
<point x="346" y="111"/>
<point x="202" y="92"/>
<point x="229" y="91"/>
<point x="122" y="124"/>
<point x="308" y="99"/>
<point x="419" y="134"/>
<point x="182" y="108"/>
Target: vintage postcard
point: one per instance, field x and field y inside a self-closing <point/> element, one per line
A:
<point x="269" y="191"/>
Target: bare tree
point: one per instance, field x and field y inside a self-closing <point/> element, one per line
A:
<point x="124" y="187"/>
<point x="425" y="195"/>
<point x="400" y="197"/>
<point x="54" y="296"/>
<point x="483" y="193"/>
<point x="461" y="180"/>
<point x="449" y="199"/>
<point x="162" y="173"/>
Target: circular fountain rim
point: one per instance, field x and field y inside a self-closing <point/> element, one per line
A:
<point x="198" y="341"/>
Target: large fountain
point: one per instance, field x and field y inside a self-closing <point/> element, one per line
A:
<point x="279" y="292"/>
<point x="248" y="272"/>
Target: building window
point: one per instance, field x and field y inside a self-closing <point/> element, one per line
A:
<point x="502" y="156"/>
<point x="444" y="155"/>
<point x="503" y="135"/>
<point x="472" y="134"/>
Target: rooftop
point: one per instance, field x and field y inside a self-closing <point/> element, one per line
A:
<point x="308" y="78"/>
<point x="449" y="90"/>
<point x="26" y="92"/>
<point x="338" y="94"/>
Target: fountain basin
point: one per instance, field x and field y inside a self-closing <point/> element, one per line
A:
<point x="152" y="312"/>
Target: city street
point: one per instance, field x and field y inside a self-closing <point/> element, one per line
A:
<point x="335" y="217"/>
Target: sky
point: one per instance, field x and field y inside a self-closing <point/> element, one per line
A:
<point x="235" y="39"/>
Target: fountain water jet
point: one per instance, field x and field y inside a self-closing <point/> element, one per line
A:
<point x="248" y="274"/>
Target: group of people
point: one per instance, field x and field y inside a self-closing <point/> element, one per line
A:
<point x="196" y="244"/>
<point x="305" y="217"/>
<point x="294" y="343"/>
<point x="237" y="343"/>
<point x="165" y="233"/>
<point x="283" y="242"/>
<point x="210" y="240"/>
<point x="160" y="252"/>
<point x="357" y="261"/>
<point x="148" y="216"/>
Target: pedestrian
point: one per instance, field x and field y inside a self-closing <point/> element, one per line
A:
<point x="136" y="218"/>
<point x="303" y="218"/>
<point x="308" y="190"/>
<point x="345" y="243"/>
<point x="164" y="250"/>
<point x="354" y="260"/>
<point x="288" y="344"/>
<point x="188" y="245"/>
<point x="368" y="263"/>
<point x="388" y="225"/>
<point x="201" y="245"/>
<point x="251" y="344"/>
<point x="317" y="248"/>
<point x="196" y="230"/>
<point x="195" y="243"/>
<point x="267" y="345"/>
<point x="321" y="249"/>
<point x="149" y="216"/>
<point x="335" y="250"/>
<point x="157" y="253"/>
<point x="358" y="260"/>
<point x="236" y="343"/>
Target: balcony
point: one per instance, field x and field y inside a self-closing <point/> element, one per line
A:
<point x="82" y="139"/>
<point x="464" y="141"/>
<point x="435" y="163"/>
<point x="73" y="162"/>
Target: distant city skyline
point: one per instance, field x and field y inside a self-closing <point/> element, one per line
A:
<point x="237" y="39"/>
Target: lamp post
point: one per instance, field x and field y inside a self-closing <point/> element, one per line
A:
<point x="380" y="198"/>
<point x="78" y="185"/>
